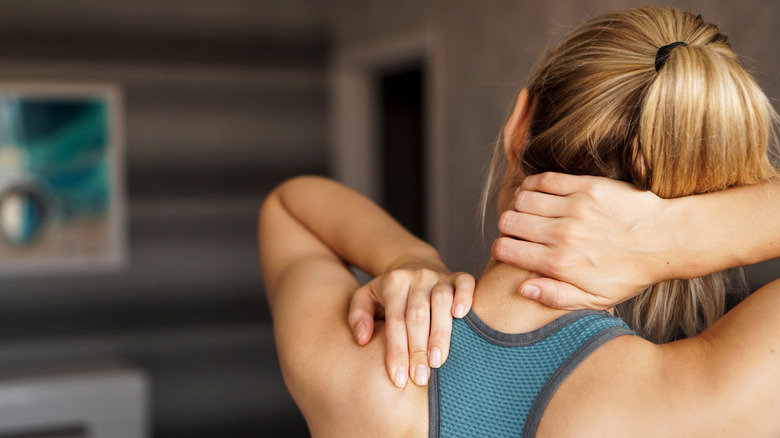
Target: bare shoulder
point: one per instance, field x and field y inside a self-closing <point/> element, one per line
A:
<point x="604" y="392"/>
<point x="371" y="405"/>
<point x="720" y="383"/>
<point x="341" y="388"/>
<point x="632" y="387"/>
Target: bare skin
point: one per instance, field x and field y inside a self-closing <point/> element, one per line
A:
<point x="574" y="228"/>
<point x="724" y="382"/>
<point x="727" y="373"/>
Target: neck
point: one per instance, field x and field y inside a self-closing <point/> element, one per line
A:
<point x="498" y="303"/>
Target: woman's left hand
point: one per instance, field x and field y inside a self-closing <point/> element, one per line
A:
<point x="418" y="304"/>
<point x="598" y="241"/>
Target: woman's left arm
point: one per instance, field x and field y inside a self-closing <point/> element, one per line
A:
<point x="353" y="227"/>
<point x="313" y="226"/>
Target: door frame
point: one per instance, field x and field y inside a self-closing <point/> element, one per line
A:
<point x="355" y="127"/>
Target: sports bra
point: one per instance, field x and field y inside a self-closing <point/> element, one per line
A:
<point x="498" y="384"/>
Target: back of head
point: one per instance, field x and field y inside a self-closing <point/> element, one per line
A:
<point x="698" y="124"/>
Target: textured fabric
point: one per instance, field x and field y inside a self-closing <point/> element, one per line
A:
<point x="498" y="384"/>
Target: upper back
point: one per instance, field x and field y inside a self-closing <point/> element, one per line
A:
<point x="499" y="384"/>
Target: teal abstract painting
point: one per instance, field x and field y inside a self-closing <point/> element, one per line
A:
<point x="61" y="196"/>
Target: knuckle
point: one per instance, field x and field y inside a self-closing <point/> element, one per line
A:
<point x="578" y="209"/>
<point x="395" y="279"/>
<point x="540" y="228"/>
<point x="567" y="228"/>
<point x="596" y="189"/>
<point x="419" y="354"/>
<point x="418" y="315"/>
<point x="388" y="280"/>
<point x="395" y="322"/>
<point x="558" y="298"/>
<point x="564" y="231"/>
<point x="439" y="335"/>
<point x="399" y="357"/>
<point x="441" y="295"/>
<point x="546" y="179"/>
<point x="556" y="263"/>
<point x="566" y="261"/>
<point x="576" y="235"/>
<point x="424" y="275"/>
<point x="568" y="233"/>
<point x="464" y="279"/>
<point x="548" y="266"/>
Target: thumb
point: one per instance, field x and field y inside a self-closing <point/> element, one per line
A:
<point x="362" y="309"/>
<point x="560" y="295"/>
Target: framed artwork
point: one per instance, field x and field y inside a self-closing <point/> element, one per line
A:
<point x="62" y="194"/>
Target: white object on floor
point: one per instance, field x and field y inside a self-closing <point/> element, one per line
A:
<point x="95" y="400"/>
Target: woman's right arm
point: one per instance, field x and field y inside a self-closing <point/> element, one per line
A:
<point x="724" y="382"/>
<point x="576" y="228"/>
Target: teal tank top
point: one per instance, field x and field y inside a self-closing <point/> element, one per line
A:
<point x="498" y="384"/>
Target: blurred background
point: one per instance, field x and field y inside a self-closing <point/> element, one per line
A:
<point x="224" y="99"/>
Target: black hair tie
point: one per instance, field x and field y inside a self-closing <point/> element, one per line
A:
<point x="663" y="53"/>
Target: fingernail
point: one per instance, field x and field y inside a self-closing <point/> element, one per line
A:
<point x="460" y="310"/>
<point x="531" y="291"/>
<point x="400" y="377"/>
<point x="421" y="375"/>
<point x="360" y="329"/>
<point x="518" y="190"/>
<point x="435" y="357"/>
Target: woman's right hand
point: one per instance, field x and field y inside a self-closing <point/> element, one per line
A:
<point x="418" y="303"/>
<point x="598" y="241"/>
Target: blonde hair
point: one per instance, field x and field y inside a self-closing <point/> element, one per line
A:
<point x="698" y="124"/>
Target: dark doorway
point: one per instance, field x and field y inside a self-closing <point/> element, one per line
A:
<point x="403" y="158"/>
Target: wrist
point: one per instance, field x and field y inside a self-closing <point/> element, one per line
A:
<point x="696" y="245"/>
<point x="675" y="228"/>
<point x="656" y="243"/>
<point x="420" y="256"/>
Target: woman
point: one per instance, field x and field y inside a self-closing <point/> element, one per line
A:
<point x="623" y="97"/>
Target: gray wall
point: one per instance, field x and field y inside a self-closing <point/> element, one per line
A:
<point x="489" y="51"/>
<point x="223" y="99"/>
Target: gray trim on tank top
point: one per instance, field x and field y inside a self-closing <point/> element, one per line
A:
<point x="520" y="340"/>
<point x="434" y="422"/>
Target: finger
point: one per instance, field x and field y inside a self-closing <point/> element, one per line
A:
<point x="441" y="324"/>
<point x="556" y="183"/>
<point x="396" y="293"/>
<point x="464" y="295"/>
<point x="418" y="326"/>
<point x="526" y="226"/>
<point x="561" y="295"/>
<point x="540" y="204"/>
<point x="530" y="256"/>
<point x="362" y="309"/>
